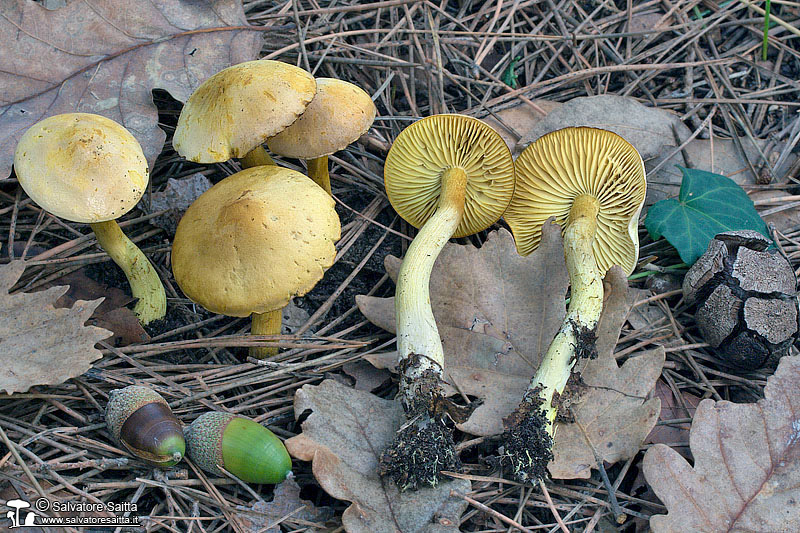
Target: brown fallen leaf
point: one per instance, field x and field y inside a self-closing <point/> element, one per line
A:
<point x="646" y="128"/>
<point x="111" y="314"/>
<point x="366" y="376"/>
<point x="107" y="57"/>
<point x="613" y="411"/>
<point x="724" y="157"/>
<point x="645" y="22"/>
<point x="721" y="156"/>
<point x="294" y="318"/>
<point x="647" y="316"/>
<point x="656" y="133"/>
<point x="39" y="344"/>
<point x="785" y="220"/>
<point x="746" y="473"/>
<point x="672" y="409"/>
<point x="515" y="121"/>
<point x="343" y="437"/>
<point x="286" y="506"/>
<point x="175" y="199"/>
<point x="650" y="130"/>
<point x="497" y="312"/>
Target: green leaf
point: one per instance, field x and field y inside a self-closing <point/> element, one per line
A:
<point x="707" y="204"/>
<point x="509" y="76"/>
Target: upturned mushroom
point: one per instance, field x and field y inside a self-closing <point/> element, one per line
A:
<point x="593" y="182"/>
<point x="338" y="115"/>
<point x="254" y="241"/>
<point x="234" y="111"/>
<point x="451" y="176"/>
<point x="87" y="168"/>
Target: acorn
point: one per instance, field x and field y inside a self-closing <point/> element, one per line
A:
<point x="141" y="421"/>
<point x="238" y="444"/>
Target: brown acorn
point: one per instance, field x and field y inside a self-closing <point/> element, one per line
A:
<point x="142" y="422"/>
<point x="240" y="445"/>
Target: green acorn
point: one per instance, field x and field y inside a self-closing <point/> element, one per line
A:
<point x="142" y="422"/>
<point x="240" y="445"/>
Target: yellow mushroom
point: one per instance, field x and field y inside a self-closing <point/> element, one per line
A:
<point x="338" y="115"/>
<point x="593" y="182"/>
<point x="451" y="176"/>
<point x="87" y="168"/>
<point x="254" y="241"/>
<point x="234" y="111"/>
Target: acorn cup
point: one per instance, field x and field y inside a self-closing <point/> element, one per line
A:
<point x="240" y="445"/>
<point x="142" y="422"/>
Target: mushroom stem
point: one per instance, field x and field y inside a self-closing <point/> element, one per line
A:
<point x="424" y="446"/>
<point x="256" y="157"/>
<point x="318" y="171"/>
<point x="142" y="276"/>
<point x="530" y="444"/>
<point x="417" y="333"/>
<point x="576" y="337"/>
<point x="268" y="323"/>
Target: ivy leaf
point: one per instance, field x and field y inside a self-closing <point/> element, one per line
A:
<point x="707" y="204"/>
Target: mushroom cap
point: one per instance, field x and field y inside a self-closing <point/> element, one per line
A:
<point x="81" y="167"/>
<point x="338" y="115"/>
<point x="567" y="163"/>
<point x="255" y="240"/>
<point x="238" y="108"/>
<point x="424" y="150"/>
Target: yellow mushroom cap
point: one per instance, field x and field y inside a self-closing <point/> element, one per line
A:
<point x="570" y="162"/>
<point x="238" y="108"/>
<point x="338" y="115"/>
<point x="81" y="167"/>
<point x="255" y="240"/>
<point x="424" y="150"/>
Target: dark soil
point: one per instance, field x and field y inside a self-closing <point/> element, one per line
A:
<point x="419" y="453"/>
<point x="528" y="448"/>
<point x="585" y="341"/>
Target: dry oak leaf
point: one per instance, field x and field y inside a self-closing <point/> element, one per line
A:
<point x="343" y="437"/>
<point x="613" y="413"/>
<point x="106" y="57"/>
<point x="366" y="377"/>
<point x="40" y="344"/>
<point x="286" y="507"/>
<point x="111" y="314"/>
<point x="656" y="134"/>
<point x="652" y="131"/>
<point x="646" y="128"/>
<point x="514" y="121"/>
<point x="175" y="199"/>
<point x="746" y="473"/>
<point x="497" y="312"/>
<point x="672" y="408"/>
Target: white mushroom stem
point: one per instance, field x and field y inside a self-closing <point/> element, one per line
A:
<point x="318" y="171"/>
<point x="416" y="328"/>
<point x="268" y="323"/>
<point x="143" y="278"/>
<point x="585" y="306"/>
<point x="256" y="157"/>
